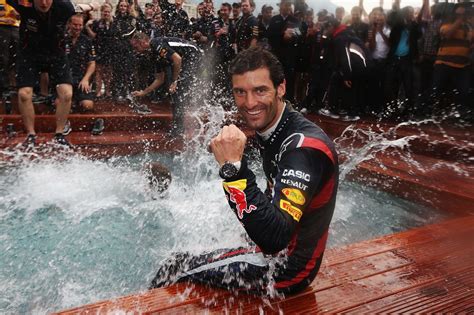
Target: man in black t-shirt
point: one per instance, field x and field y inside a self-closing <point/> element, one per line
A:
<point x="360" y="28"/>
<point x="202" y="29"/>
<point x="179" y="23"/>
<point x="286" y="35"/>
<point x="246" y="27"/>
<point x="183" y="57"/>
<point x="81" y="54"/>
<point x="42" y="30"/>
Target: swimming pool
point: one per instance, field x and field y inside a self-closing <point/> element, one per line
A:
<point x="74" y="230"/>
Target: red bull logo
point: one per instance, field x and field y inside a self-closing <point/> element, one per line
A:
<point x="238" y="196"/>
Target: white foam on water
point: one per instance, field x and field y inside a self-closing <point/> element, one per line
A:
<point x="77" y="186"/>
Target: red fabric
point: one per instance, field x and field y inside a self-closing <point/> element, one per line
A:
<point x="238" y="252"/>
<point x="309" y="266"/>
<point x="338" y="30"/>
<point x="324" y="195"/>
<point x="319" y="145"/>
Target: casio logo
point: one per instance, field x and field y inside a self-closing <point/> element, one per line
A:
<point x="297" y="174"/>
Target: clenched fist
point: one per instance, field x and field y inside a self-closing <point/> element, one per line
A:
<point x="228" y="145"/>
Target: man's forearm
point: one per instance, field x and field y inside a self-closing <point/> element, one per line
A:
<point x="155" y="84"/>
<point x="176" y="69"/>
<point x="86" y="7"/>
<point x="90" y="71"/>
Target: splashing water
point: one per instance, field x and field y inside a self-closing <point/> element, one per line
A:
<point x="75" y="230"/>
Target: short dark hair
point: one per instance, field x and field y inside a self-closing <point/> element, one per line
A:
<point x="139" y="36"/>
<point x="332" y="21"/>
<point x="266" y="7"/>
<point x="255" y="58"/>
<point x="251" y="2"/>
<point x="227" y="5"/>
<point x="236" y="5"/>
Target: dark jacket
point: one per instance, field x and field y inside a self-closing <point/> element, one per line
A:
<point x="285" y="50"/>
<point x="398" y="25"/>
<point x="351" y="57"/>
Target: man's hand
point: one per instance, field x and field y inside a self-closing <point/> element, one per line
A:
<point x="228" y="145"/>
<point x="85" y="86"/>
<point x="222" y="31"/>
<point x="289" y="33"/>
<point x="140" y="93"/>
<point x="348" y="83"/>
<point x="173" y="87"/>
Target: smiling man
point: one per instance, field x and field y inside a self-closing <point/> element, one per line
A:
<point x="289" y="224"/>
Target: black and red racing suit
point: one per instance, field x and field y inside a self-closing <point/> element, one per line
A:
<point x="289" y="229"/>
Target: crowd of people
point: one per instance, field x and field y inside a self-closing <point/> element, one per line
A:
<point x="346" y="66"/>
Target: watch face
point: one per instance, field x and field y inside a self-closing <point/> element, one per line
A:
<point x="229" y="170"/>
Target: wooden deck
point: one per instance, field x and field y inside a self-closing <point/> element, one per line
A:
<point x="424" y="270"/>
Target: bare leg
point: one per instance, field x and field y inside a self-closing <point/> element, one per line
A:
<point x="27" y="110"/>
<point x="87" y="105"/>
<point x="44" y="83"/>
<point x="63" y="106"/>
<point x="98" y="80"/>
<point x="107" y="73"/>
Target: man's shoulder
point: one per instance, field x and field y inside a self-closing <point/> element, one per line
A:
<point x="85" y="40"/>
<point x="302" y="129"/>
<point x="176" y="43"/>
<point x="64" y="7"/>
<point x="183" y="13"/>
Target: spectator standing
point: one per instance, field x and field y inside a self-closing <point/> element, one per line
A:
<point x="452" y="66"/>
<point x="223" y="30"/>
<point x="236" y="12"/>
<point x="378" y="42"/>
<point x="320" y="64"/>
<point x="340" y="13"/>
<point x="303" y="57"/>
<point x="166" y="8"/>
<point x="158" y="27"/>
<point x="81" y="55"/>
<point x="100" y="31"/>
<point x="360" y="28"/>
<point x="123" y="25"/>
<point x="431" y="24"/>
<point x="351" y="61"/>
<point x="285" y="36"/>
<point x="263" y="24"/>
<point x="9" y="38"/>
<point x="145" y="19"/>
<point x="42" y="31"/>
<point x="246" y="27"/>
<point x="179" y="23"/>
<point x="202" y="29"/>
<point x="403" y="52"/>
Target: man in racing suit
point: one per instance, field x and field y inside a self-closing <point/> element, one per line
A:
<point x="183" y="57"/>
<point x="290" y="228"/>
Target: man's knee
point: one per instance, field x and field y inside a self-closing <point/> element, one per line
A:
<point x="65" y="93"/>
<point x="87" y="105"/>
<point x="25" y="94"/>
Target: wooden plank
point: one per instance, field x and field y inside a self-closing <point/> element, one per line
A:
<point x="455" y="291"/>
<point x="420" y="258"/>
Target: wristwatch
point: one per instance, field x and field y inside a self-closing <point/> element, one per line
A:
<point x="229" y="169"/>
